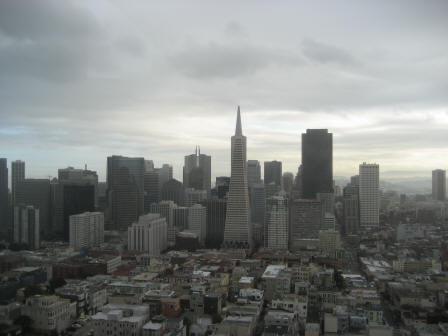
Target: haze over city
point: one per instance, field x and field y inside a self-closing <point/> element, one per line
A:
<point x="84" y="80"/>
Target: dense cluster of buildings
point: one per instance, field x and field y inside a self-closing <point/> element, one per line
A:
<point x="145" y="254"/>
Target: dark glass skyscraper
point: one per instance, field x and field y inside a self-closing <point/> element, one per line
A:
<point x="125" y="182"/>
<point x="317" y="162"/>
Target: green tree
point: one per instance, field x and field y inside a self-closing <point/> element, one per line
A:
<point x="56" y="283"/>
<point x="33" y="290"/>
<point x="25" y="322"/>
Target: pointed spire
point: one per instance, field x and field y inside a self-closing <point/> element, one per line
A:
<point x="238" y="130"/>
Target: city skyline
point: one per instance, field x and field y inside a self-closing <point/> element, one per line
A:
<point x="100" y="79"/>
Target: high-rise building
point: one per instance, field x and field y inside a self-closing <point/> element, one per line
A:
<point x="86" y="230"/>
<point x="222" y="186"/>
<point x="253" y="172"/>
<point x="237" y="232"/>
<point x="305" y="221"/>
<point x="17" y="175"/>
<point x="125" y="181"/>
<point x="197" y="221"/>
<point x="173" y="190"/>
<point x="149" y="234"/>
<point x="287" y="182"/>
<point x="194" y="196"/>
<point x="26" y="226"/>
<point x="69" y="198"/>
<point x="273" y="173"/>
<point x="180" y="218"/>
<point x="151" y="188"/>
<point x="4" y="200"/>
<point x="296" y="192"/>
<point x="165" y="173"/>
<point x="37" y="192"/>
<point x="197" y="171"/>
<point x="327" y="200"/>
<point x="439" y="184"/>
<point x="257" y="203"/>
<point x="351" y="206"/>
<point x="317" y="162"/>
<point x="216" y="219"/>
<point x="166" y="210"/>
<point x="277" y="221"/>
<point x="369" y="195"/>
<point x="84" y="176"/>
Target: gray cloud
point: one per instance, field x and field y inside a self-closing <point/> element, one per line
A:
<point x="99" y="78"/>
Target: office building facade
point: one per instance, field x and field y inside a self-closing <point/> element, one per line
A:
<point x="317" y="162"/>
<point x="369" y="196"/>
<point x="86" y="230"/>
<point x="439" y="185"/>
<point x="237" y="232"/>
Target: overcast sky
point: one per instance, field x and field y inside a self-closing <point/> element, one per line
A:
<point x="81" y="80"/>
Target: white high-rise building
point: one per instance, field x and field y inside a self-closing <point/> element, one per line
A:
<point x="277" y="223"/>
<point x="86" y="230"/>
<point x="197" y="221"/>
<point x="194" y="196"/>
<point x="149" y="234"/>
<point x="166" y="210"/>
<point x="369" y="195"/>
<point x="238" y="231"/>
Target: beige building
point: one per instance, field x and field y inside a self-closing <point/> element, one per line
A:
<point x="86" y="230"/>
<point x="49" y="313"/>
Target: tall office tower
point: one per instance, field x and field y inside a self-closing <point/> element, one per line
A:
<point x="272" y="189"/>
<point x="369" y="195"/>
<point x="76" y="199"/>
<point x="4" y="201"/>
<point x="173" y="190"/>
<point x="149" y="165"/>
<point x="296" y="192"/>
<point x="84" y="176"/>
<point x="327" y="200"/>
<point x="258" y="203"/>
<point x="277" y="221"/>
<point x="148" y="235"/>
<point x="354" y="180"/>
<point x="439" y="185"/>
<point x="17" y="175"/>
<point x="86" y="230"/>
<point x="253" y="172"/>
<point x="125" y="182"/>
<point x="328" y="221"/>
<point x="193" y="196"/>
<point x="180" y="218"/>
<point x="351" y="207"/>
<point x="216" y="219"/>
<point x="273" y="172"/>
<point x="317" y="162"/>
<point x="166" y="210"/>
<point x="222" y="186"/>
<point x="238" y="229"/>
<point x="287" y="182"/>
<point x="26" y="226"/>
<point x="305" y="221"/>
<point x="102" y="196"/>
<point x="152" y="188"/>
<point x="37" y="192"/>
<point x="165" y="173"/>
<point x="197" y="171"/>
<point x="197" y="221"/>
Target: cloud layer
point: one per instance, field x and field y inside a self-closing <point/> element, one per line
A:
<point x="82" y="80"/>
